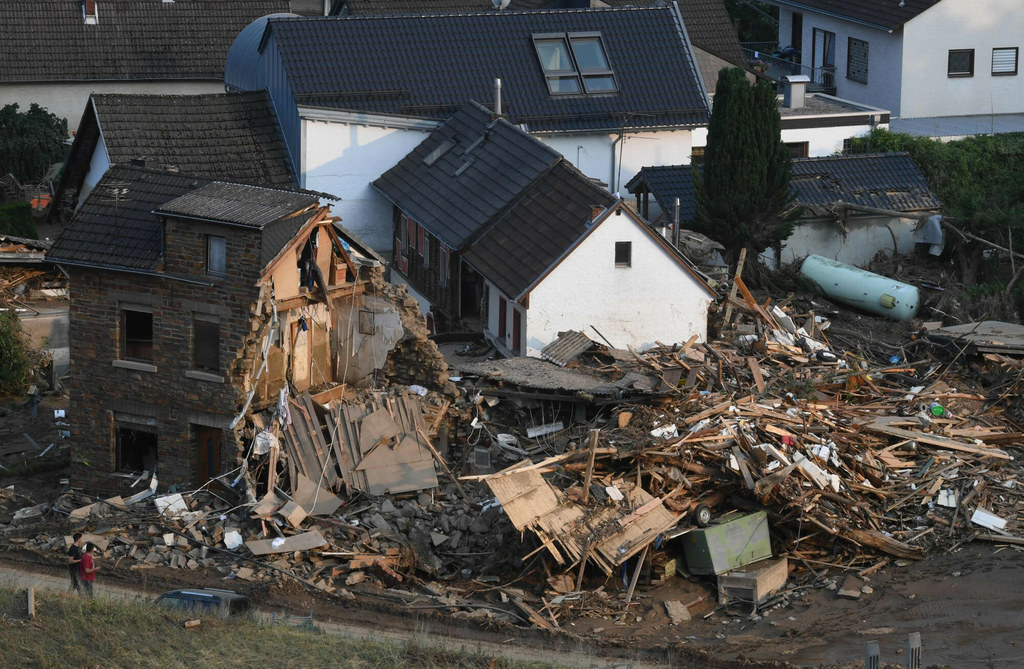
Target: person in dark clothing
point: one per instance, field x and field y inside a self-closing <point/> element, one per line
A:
<point x="88" y="569"/>
<point x="74" y="560"/>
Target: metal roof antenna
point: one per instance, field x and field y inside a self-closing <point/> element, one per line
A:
<point x="500" y="4"/>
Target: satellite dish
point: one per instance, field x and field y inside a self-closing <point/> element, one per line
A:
<point x="500" y="4"/>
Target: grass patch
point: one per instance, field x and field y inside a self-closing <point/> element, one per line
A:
<point x="77" y="632"/>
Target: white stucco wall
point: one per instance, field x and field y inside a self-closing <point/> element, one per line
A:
<point x="653" y="300"/>
<point x="67" y="99"/>
<point x="962" y="24"/>
<point x="884" y="57"/>
<point x="98" y="166"/>
<point x="866" y="237"/>
<point x="343" y="158"/>
<point x="593" y="154"/>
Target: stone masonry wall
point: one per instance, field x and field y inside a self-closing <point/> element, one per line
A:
<point x="173" y="398"/>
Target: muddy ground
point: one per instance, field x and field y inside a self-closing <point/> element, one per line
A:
<point x="966" y="604"/>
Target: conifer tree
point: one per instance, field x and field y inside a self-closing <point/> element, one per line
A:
<point x="743" y="191"/>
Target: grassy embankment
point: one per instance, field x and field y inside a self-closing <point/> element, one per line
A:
<point x="82" y="633"/>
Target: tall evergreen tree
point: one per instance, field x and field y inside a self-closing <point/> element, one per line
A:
<point x="743" y="192"/>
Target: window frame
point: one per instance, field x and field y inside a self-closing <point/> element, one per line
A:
<point x="123" y="463"/>
<point x="445" y="266"/>
<point x="1016" y="61"/>
<point x="208" y="320"/>
<point x="960" y="74"/>
<point x="580" y="75"/>
<point x="210" y="258"/>
<point x="122" y="332"/>
<point x="628" y="247"/>
<point x="851" y="75"/>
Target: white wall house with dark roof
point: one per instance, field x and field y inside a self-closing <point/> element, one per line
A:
<point x="621" y="279"/>
<point x="52" y="53"/>
<point x="918" y="58"/>
<point x="579" y="80"/>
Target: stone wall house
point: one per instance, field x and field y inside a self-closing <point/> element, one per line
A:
<point x="193" y="303"/>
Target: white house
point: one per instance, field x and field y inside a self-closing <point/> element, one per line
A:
<point x="495" y="230"/>
<point x="55" y="53"/>
<point x="917" y="58"/>
<point x="611" y="89"/>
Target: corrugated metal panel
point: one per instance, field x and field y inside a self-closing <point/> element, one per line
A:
<point x="566" y="348"/>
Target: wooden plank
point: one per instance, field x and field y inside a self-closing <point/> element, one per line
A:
<point x="755" y="369"/>
<point x="323" y="448"/>
<point x="440" y="461"/>
<point x="376" y="427"/>
<point x="732" y="291"/>
<point x="590" y="464"/>
<point x="882" y="425"/>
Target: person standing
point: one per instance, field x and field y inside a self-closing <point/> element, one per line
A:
<point x="88" y="569"/>
<point x="74" y="560"/>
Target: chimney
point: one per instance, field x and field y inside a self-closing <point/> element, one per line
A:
<point x="497" y="97"/>
<point x="596" y="210"/>
<point x="89" y="11"/>
<point x="795" y="90"/>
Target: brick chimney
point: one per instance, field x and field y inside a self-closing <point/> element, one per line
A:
<point x="89" y="10"/>
<point x="596" y="210"/>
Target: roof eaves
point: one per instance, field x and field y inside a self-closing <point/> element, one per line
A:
<point x="837" y="15"/>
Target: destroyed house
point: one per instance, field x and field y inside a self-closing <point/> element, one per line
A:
<point x="194" y="301"/>
<point x="234" y="137"/>
<point x="615" y="89"/>
<point x="56" y="52"/>
<point x="852" y="206"/>
<point x="495" y="229"/>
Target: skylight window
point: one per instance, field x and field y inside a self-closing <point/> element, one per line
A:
<point x="574" y="63"/>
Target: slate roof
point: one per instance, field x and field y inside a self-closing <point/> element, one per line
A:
<point x="232" y="136"/>
<point x="883" y="180"/>
<point x="454" y="207"/>
<point x="520" y="247"/>
<point x="118" y="225"/>
<point x="428" y="66"/>
<point x="666" y="183"/>
<point x="707" y="21"/>
<point x="884" y="15"/>
<point x="511" y="204"/>
<point x="48" y="40"/>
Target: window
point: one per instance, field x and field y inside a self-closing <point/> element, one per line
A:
<point x="797" y="149"/>
<point x="419" y="238"/>
<point x="623" y="254"/>
<point x="857" y="60"/>
<point x="205" y="343"/>
<point x="136" y="334"/>
<point x="136" y="449"/>
<point x="824" y="57"/>
<point x="1004" y="61"/>
<point x="574" y="63"/>
<point x="442" y="271"/>
<point x="216" y="255"/>
<point x="697" y="155"/>
<point x="961" y="63"/>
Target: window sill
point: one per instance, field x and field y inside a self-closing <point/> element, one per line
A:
<point x="134" y="366"/>
<point x="204" y="376"/>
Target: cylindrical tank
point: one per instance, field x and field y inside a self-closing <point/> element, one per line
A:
<point x="862" y="289"/>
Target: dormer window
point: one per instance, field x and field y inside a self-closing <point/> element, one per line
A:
<point x="574" y="63"/>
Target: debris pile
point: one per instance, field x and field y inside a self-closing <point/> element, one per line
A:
<point x="606" y="458"/>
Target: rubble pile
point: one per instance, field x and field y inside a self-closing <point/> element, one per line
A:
<point x="519" y="499"/>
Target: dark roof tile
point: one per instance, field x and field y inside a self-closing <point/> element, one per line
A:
<point x="886" y="15"/>
<point x="430" y="65"/>
<point x="232" y="136"/>
<point x="237" y="204"/>
<point x="48" y="40"/>
<point x="883" y="180"/>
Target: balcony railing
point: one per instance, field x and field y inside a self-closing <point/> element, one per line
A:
<point x="778" y="64"/>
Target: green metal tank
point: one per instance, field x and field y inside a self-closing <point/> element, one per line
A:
<point x="862" y="289"/>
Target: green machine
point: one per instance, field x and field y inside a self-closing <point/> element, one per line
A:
<point x="728" y="543"/>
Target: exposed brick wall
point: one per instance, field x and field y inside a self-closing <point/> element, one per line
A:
<point x="168" y="399"/>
